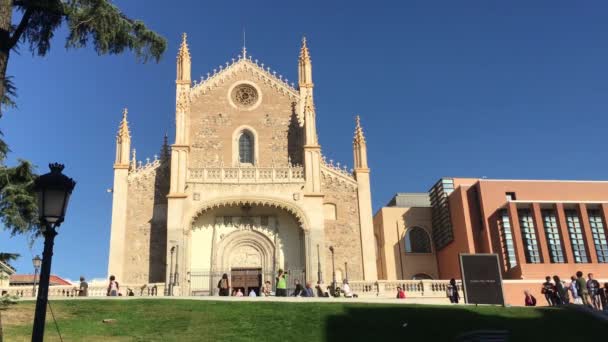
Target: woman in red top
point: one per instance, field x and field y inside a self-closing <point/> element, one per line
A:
<point x="400" y="293"/>
<point x="530" y="300"/>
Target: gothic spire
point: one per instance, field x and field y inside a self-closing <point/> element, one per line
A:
<point x="123" y="129"/>
<point x="164" y="152"/>
<point x="183" y="61"/>
<point x="305" y="66"/>
<point x="123" y="142"/>
<point x="359" y="147"/>
<point x="359" y="137"/>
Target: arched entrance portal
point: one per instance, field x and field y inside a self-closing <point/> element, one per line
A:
<point x="249" y="243"/>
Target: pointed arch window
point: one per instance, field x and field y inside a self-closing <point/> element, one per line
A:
<point x="246" y="148"/>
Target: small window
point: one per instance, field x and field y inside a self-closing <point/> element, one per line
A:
<point x="246" y="148"/>
<point x="330" y="211"/>
<point x="417" y="240"/>
<point x="511" y="196"/>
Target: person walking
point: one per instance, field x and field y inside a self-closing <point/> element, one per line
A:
<point x="581" y="287"/>
<point x="224" y="286"/>
<point x="113" y="287"/>
<point x="576" y="298"/>
<point x="548" y="290"/>
<point x="281" y="284"/>
<point x="530" y="300"/>
<point x="561" y="294"/>
<point x="452" y="291"/>
<point x="594" y="292"/>
<point x="83" y="288"/>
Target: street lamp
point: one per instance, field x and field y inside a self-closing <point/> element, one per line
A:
<point x="53" y="191"/>
<point x="319" y="272"/>
<point x="333" y="269"/>
<point x="36" y="261"/>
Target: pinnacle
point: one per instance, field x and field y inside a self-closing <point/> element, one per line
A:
<point x="359" y="137"/>
<point x="123" y="130"/>
<point x="304" y="53"/>
<point x="183" y="49"/>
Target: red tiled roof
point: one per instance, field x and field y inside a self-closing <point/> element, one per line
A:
<point x="25" y="279"/>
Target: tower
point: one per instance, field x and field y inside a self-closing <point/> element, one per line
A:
<point x="119" y="198"/>
<point x="365" y="203"/>
<point x="179" y="161"/>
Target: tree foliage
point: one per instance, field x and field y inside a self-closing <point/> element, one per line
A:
<point x="90" y="22"/>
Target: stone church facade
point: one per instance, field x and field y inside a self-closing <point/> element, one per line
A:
<point x="244" y="189"/>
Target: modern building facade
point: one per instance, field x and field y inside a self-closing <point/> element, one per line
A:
<point x="536" y="227"/>
<point x="244" y="189"/>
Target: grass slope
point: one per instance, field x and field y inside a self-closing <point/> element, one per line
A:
<point x="191" y="320"/>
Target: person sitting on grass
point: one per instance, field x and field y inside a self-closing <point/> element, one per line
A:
<point x="320" y="292"/>
<point x="239" y="293"/>
<point x="298" y="291"/>
<point x="252" y="293"/>
<point x="267" y="288"/>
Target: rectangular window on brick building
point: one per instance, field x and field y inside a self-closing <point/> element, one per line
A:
<point x="598" y="231"/>
<point x="576" y="237"/>
<point x="510" y="196"/>
<point x="528" y="235"/>
<point x="507" y="239"/>
<point x="556" y="252"/>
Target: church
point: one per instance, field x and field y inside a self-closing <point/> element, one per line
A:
<point x="243" y="190"/>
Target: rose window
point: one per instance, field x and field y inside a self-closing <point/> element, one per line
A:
<point x="245" y="95"/>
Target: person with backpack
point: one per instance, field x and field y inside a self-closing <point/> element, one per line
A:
<point x="530" y="300"/>
<point x="561" y="293"/>
<point x="452" y="291"/>
<point x="548" y="289"/>
<point x="224" y="286"/>
<point x="594" y="292"/>
<point x="113" y="287"/>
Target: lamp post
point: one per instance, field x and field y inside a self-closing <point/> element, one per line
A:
<point x="319" y="273"/>
<point x="53" y="191"/>
<point x="333" y="269"/>
<point x="36" y="261"/>
<point x="346" y="270"/>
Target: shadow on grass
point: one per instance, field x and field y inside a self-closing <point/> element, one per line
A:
<point x="445" y="323"/>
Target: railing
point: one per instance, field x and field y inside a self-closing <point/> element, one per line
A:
<point x="138" y="290"/>
<point x="244" y="175"/>
<point x="412" y="288"/>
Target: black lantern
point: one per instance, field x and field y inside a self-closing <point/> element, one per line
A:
<point x="53" y="190"/>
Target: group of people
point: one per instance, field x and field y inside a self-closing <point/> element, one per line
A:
<point x="578" y="290"/>
<point x="281" y="281"/>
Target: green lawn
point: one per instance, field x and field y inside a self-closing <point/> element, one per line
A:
<point x="190" y="320"/>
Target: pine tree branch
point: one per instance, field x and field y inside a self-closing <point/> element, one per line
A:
<point x="20" y="29"/>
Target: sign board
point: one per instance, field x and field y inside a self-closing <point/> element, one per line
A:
<point x="481" y="279"/>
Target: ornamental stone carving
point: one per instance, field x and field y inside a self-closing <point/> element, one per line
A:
<point x="183" y="102"/>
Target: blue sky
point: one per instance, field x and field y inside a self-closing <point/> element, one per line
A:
<point x="502" y="89"/>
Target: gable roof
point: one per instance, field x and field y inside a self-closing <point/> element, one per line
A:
<point x="7" y="268"/>
<point x="252" y="66"/>
<point x="28" y="279"/>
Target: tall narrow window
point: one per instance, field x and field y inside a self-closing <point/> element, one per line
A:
<point x="554" y="241"/>
<point x="529" y="236"/>
<point x="599" y="235"/>
<point x="246" y="148"/>
<point x="507" y="240"/>
<point x="576" y="237"/>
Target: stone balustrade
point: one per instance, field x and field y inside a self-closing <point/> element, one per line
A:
<point x="412" y="288"/>
<point x="247" y="175"/>
<point x="139" y="290"/>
